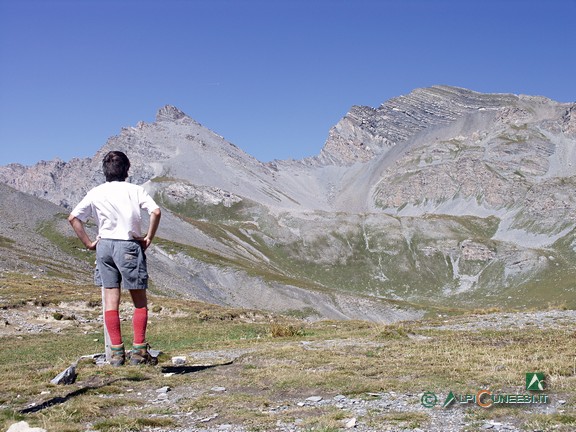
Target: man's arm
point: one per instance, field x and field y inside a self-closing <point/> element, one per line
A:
<point x="78" y="227"/>
<point x="153" y="226"/>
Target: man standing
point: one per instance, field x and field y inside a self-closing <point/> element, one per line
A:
<point x="120" y="259"/>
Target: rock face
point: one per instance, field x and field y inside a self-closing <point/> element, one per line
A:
<point x="55" y="180"/>
<point x="441" y="196"/>
<point x="366" y="132"/>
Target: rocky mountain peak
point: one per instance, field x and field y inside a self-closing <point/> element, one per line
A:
<point x="169" y="113"/>
<point x="365" y="132"/>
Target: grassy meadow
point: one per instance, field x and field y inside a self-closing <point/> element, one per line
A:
<point x="264" y="362"/>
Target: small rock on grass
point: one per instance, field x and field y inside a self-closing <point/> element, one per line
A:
<point x="179" y="360"/>
<point x="314" y="399"/>
<point x="23" y="427"/>
<point x="350" y="423"/>
<point x="67" y="376"/>
<point x="218" y="389"/>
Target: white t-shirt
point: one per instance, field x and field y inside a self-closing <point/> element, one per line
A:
<point x="116" y="206"/>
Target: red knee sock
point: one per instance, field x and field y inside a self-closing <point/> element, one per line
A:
<point x="139" y="321"/>
<point x="112" y="320"/>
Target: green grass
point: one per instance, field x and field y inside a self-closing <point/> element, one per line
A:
<point x="67" y="243"/>
<point x="284" y="360"/>
<point x="6" y="242"/>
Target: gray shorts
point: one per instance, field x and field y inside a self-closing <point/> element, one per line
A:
<point x="120" y="262"/>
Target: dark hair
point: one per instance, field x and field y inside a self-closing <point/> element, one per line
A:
<point x="115" y="165"/>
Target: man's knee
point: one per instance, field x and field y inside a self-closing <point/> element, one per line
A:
<point x="111" y="298"/>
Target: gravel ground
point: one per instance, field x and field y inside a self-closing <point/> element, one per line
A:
<point x="359" y="414"/>
<point x="552" y="319"/>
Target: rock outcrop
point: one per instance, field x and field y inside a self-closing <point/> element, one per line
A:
<point x="366" y="132"/>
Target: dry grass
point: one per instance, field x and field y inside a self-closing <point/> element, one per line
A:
<point x="285" y="361"/>
<point x="278" y="330"/>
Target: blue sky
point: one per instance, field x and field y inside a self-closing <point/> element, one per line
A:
<point x="270" y="76"/>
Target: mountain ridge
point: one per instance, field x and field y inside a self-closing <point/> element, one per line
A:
<point x="444" y="196"/>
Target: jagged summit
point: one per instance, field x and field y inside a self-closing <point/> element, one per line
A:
<point x="169" y="113"/>
<point x="365" y="132"/>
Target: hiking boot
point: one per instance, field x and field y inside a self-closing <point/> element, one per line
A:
<point x="118" y="355"/>
<point x="140" y="355"/>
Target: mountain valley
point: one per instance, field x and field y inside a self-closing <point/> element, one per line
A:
<point x="438" y="200"/>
